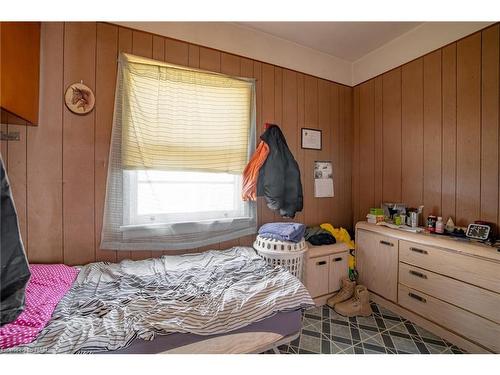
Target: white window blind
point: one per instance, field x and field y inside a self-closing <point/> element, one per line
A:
<point x="181" y="139"/>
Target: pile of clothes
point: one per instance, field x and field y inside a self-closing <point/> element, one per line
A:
<point x="318" y="236"/>
<point x="292" y="232"/>
<point x="273" y="173"/>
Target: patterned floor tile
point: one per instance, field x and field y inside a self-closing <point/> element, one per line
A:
<point x="310" y="341"/>
<point x="349" y="350"/>
<point x="324" y="331"/>
<point x="312" y="324"/>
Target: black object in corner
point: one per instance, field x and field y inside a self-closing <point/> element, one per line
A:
<point x="14" y="268"/>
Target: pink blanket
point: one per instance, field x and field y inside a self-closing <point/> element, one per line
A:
<point x="47" y="286"/>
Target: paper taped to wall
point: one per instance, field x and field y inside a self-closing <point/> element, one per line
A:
<point x="323" y="179"/>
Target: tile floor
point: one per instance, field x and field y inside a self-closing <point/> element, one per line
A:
<point x="326" y="332"/>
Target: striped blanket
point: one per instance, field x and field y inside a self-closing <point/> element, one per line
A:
<point x="110" y="305"/>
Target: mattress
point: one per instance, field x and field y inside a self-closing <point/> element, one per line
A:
<point x="277" y="327"/>
<point x="179" y="300"/>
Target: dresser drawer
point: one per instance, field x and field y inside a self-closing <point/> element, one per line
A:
<point x="464" y="323"/>
<point x="476" y="271"/>
<point x="469" y="297"/>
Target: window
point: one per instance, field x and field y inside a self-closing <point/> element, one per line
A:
<point x="181" y="139"/>
<point x="154" y="197"/>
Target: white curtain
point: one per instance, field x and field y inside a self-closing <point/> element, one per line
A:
<point x="174" y="125"/>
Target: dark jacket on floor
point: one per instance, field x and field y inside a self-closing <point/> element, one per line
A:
<point x="14" y="271"/>
<point x="279" y="177"/>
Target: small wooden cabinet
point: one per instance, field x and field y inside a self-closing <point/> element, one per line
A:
<point x="377" y="263"/>
<point x="20" y="69"/>
<point x="325" y="266"/>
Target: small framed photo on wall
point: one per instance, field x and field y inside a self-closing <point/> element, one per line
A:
<point x="311" y="139"/>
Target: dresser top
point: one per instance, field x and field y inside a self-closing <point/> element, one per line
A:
<point x="460" y="245"/>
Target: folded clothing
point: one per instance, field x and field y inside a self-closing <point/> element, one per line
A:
<point x="47" y="286"/>
<point x="318" y="236"/>
<point x="283" y="231"/>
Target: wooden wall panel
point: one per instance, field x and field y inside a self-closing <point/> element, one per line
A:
<point x="432" y="134"/>
<point x="335" y="136"/>
<point x="177" y="52"/>
<point x="446" y="104"/>
<point x="210" y="59"/>
<point x="468" y="129"/>
<point x="311" y="121"/>
<point x="355" y="157"/>
<point x="366" y="147"/>
<point x="44" y="154"/>
<point x="299" y="154"/>
<point x="59" y="169"/>
<point x="17" y="172"/>
<point x="449" y="100"/>
<point x="391" y="108"/>
<point x="338" y="119"/>
<point x="378" y="143"/>
<point x="194" y="56"/>
<point x="78" y="147"/>
<point x="158" y="48"/>
<point x="412" y="132"/>
<point x="4" y="145"/>
<point x="329" y="128"/>
<point x="230" y="64"/>
<point x="347" y="125"/>
<point x="489" y="124"/>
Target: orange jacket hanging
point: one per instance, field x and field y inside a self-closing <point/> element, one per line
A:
<point x="251" y="172"/>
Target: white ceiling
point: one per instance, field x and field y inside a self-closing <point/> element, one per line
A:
<point x="346" y="40"/>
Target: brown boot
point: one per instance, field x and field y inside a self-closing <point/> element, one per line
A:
<point x="359" y="305"/>
<point x="343" y="294"/>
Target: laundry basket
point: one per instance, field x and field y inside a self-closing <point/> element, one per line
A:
<point x="286" y="254"/>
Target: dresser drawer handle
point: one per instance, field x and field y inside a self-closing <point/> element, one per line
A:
<point x="418" y="274"/>
<point x="417" y="297"/>
<point x="417" y="250"/>
<point x="322" y="263"/>
<point x="387" y="243"/>
<point x="337" y="259"/>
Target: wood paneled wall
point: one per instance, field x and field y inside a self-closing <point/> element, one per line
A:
<point x="428" y="133"/>
<point x="58" y="170"/>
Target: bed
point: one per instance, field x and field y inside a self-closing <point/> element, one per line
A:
<point x="227" y="301"/>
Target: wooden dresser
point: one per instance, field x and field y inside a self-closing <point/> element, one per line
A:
<point x="450" y="287"/>
<point x="324" y="268"/>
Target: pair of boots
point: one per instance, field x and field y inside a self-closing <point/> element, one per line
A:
<point x="351" y="300"/>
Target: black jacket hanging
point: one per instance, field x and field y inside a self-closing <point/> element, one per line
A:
<point x="279" y="177"/>
<point x="14" y="269"/>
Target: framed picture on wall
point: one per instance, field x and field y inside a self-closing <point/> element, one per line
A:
<point x="311" y="139"/>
